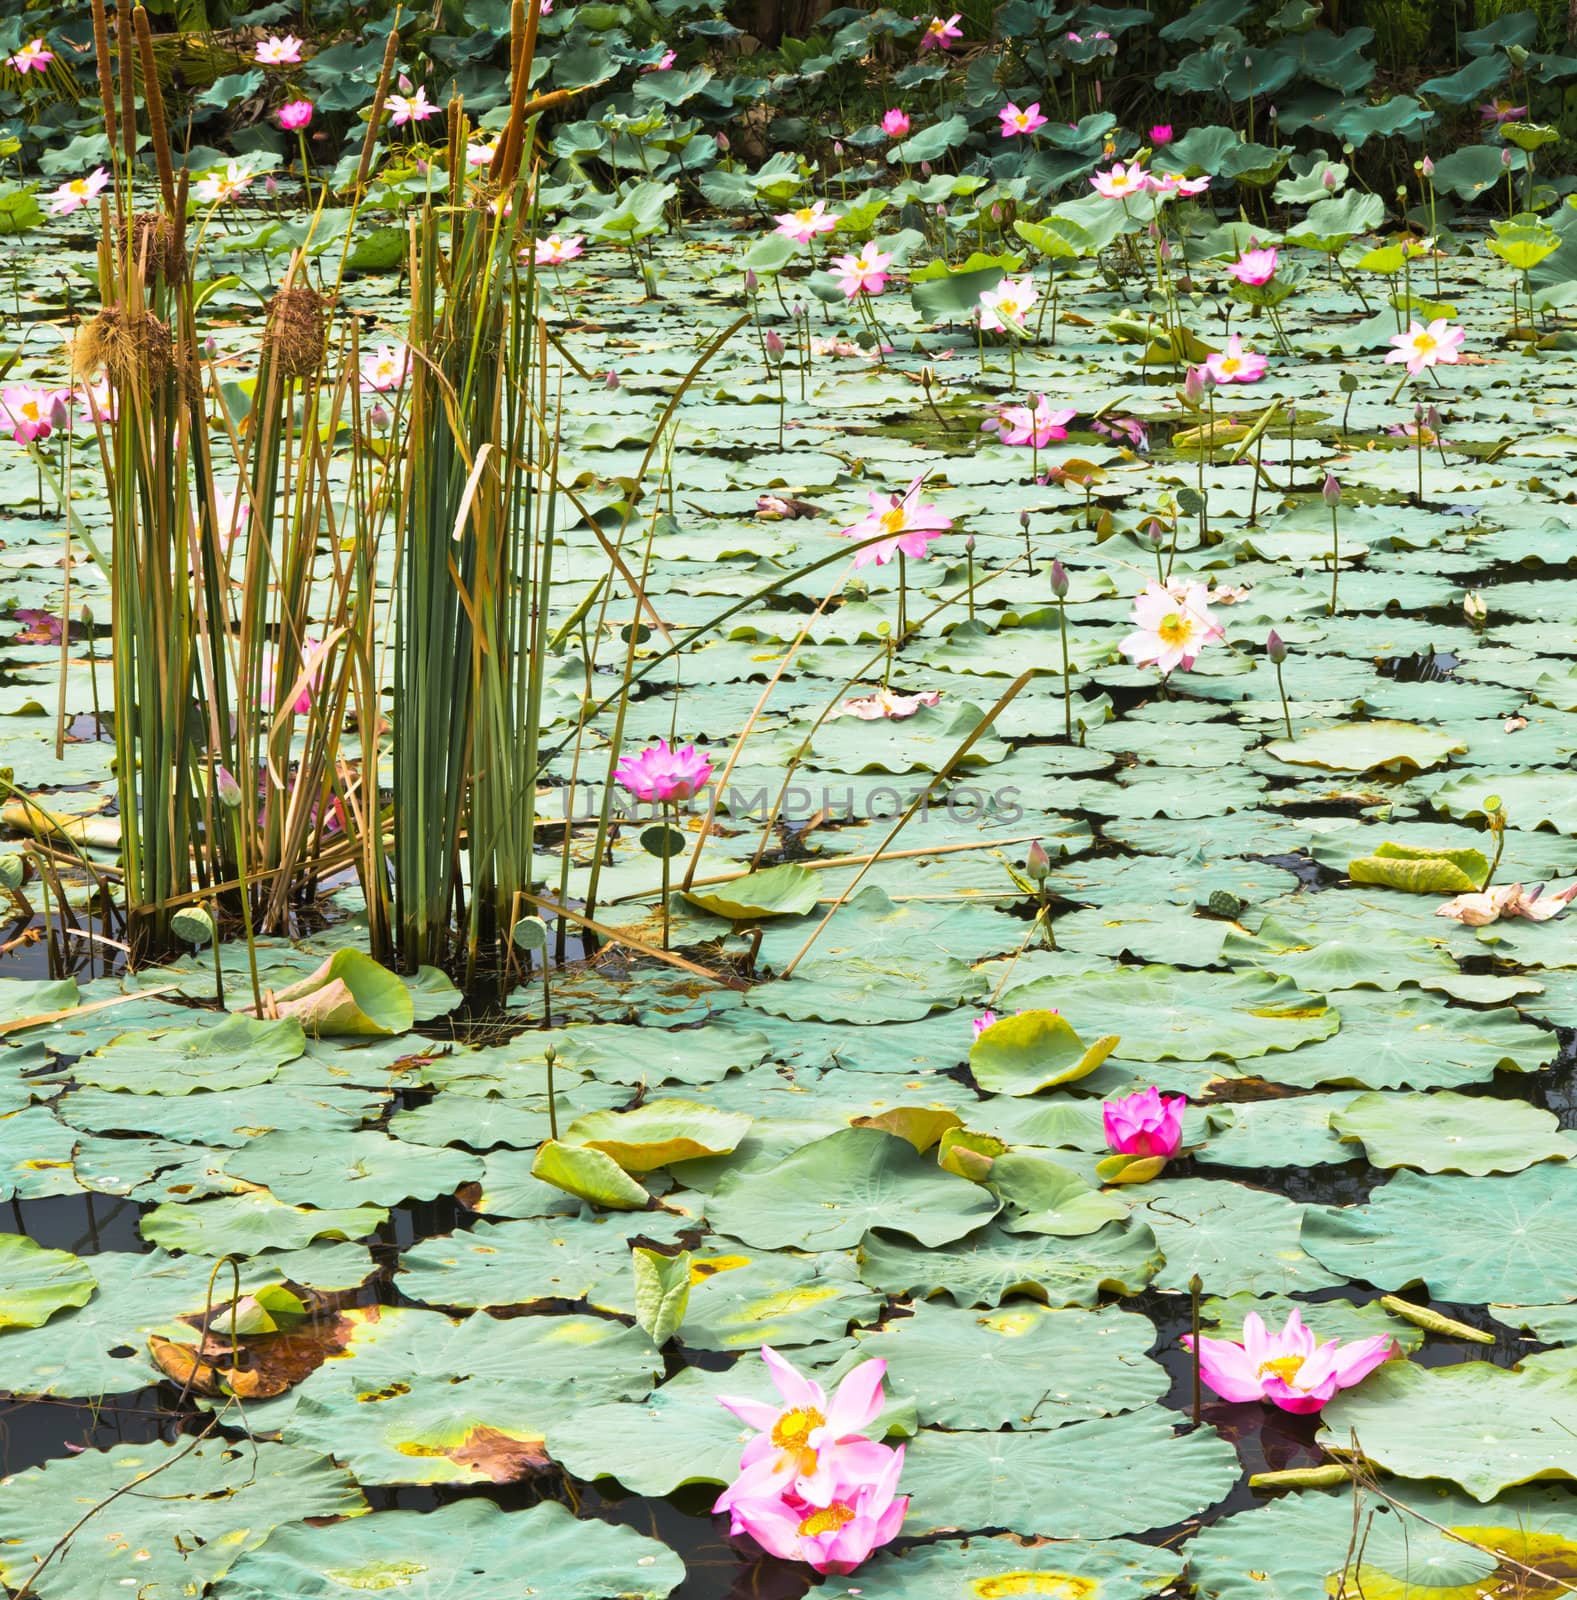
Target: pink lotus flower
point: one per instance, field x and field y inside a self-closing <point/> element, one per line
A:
<point x="663" y="63"/>
<point x="410" y="108"/>
<point x="865" y="273"/>
<point x="385" y="368"/>
<point x="805" y="223"/>
<point x="1499" y="111"/>
<point x="860" y="1514"/>
<point x="481" y="155"/>
<point x="77" y="192"/>
<point x="884" y="704"/>
<point x="1020" y="425"/>
<point x="556" y="249"/>
<point x="1169" y="183"/>
<point x="1440" y="344"/>
<point x="295" y="114"/>
<point x="32" y="57"/>
<point x="313" y="654"/>
<point x="1254" y="267"/>
<point x="1119" y="181"/>
<point x="939" y="35"/>
<point x="1003" y="309"/>
<point x="1171" y="628"/>
<point x="1161" y="134"/>
<point x="276" y="52"/>
<point x="27" y="412"/>
<point x="909" y="527"/>
<point x="803" y="1446"/>
<point x="895" y="123"/>
<point x="1235" y="364"/>
<point x="1129" y="428"/>
<point x="1148" y="1123"/>
<point x="1015" y="122"/>
<point x="661" y="773"/>
<point x="1287" y="1368"/>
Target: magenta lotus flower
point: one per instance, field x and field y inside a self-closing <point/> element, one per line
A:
<point x="805" y="223"/>
<point x="1016" y="122"/>
<point x="1161" y="134"/>
<point x="279" y="52"/>
<point x="1120" y="428"/>
<point x="866" y="273"/>
<point x="1038" y="427"/>
<point x="895" y="123"/>
<point x="1148" y="1123"/>
<point x="1499" y="111"/>
<point x="556" y="249"/>
<point x="806" y="1445"/>
<point x="860" y="1514"/>
<point x="939" y="34"/>
<point x="1254" y="267"/>
<point x="663" y="773"/>
<point x="295" y="114"/>
<point x="664" y="62"/>
<point x="1170" y="183"/>
<point x="909" y="527"/>
<point x="1235" y="364"/>
<point x="1172" y="624"/>
<point x="1287" y="1368"/>
<point x="32" y="57"/>
<point x="1119" y="181"/>
<point x="27" y="412"/>
<point x="985" y="1020"/>
<point x="406" y="108"/>
<point x="1440" y="344"/>
<point x="77" y="192"/>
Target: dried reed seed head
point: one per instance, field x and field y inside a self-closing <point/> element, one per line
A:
<point x="297" y="333"/>
<point x="128" y="347"/>
<point x="156" y="240"/>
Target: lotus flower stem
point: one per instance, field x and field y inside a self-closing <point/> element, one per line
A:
<point x="670" y="820"/>
<point x="550" y="1055"/>
<point x="1194" y="1286"/>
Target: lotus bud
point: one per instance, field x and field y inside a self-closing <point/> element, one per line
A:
<point x="1059" y="580"/>
<point x="837" y="147"/>
<point x="271" y="185"/>
<point x="1505" y="159"/>
<point x="1474" y="609"/>
<point x="1166" y="249"/>
<point x="1275" y="647"/>
<point x="1427" y="167"/>
<point x="1328" y="178"/>
<point x="721" y="141"/>
<point x="226" y="789"/>
<point x="59" y="412"/>
<point x="969" y="545"/>
<point x="1331" y="491"/>
<point x="210" y="347"/>
<point x="774" y="343"/>
<point x="1037" y="863"/>
<point x="379" y="416"/>
<point x="1154" y="230"/>
<point x="612" y="380"/>
<point x="1432" y="419"/>
<point x="1023" y="519"/>
<point x="1194" y="386"/>
<point x="752" y="282"/>
<point x="941" y="210"/>
<point x="925" y="169"/>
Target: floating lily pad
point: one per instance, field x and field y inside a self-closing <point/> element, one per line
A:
<point x="245" y="1224"/>
<point x="740" y="1302"/>
<point x="1032" y="1051"/>
<point x="658" y="1132"/>
<point x="233" y="1054"/>
<point x="1447" y="1132"/>
<point x="35" y="1283"/>
<point x="327" y="1168"/>
<point x="1374" y="746"/>
<point x="784" y="891"/>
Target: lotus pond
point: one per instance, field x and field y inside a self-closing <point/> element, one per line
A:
<point x="958" y="754"/>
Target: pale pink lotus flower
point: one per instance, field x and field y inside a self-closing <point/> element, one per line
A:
<point x="1440" y="344"/>
<point x="1161" y="134"/>
<point x="909" y="527"/>
<point x="1129" y="428"/>
<point x="1119" y="181"/>
<point x="77" y="192"/>
<point x="1020" y="425"/>
<point x="1507" y="903"/>
<point x="1235" y="364"/>
<point x="884" y="704"/>
<point x="1170" y="629"/>
<point x="805" y="223"/>
<point x="313" y="655"/>
<point x="845" y="347"/>
<point x="223" y="184"/>
<point x="27" y="412"/>
<point x="866" y="273"/>
<point x="1016" y="122"/>
<point x="895" y="123"/>
<point x="985" y="1020"/>
<point x="410" y="108"/>
<point x="1003" y="309"/>
<point x="34" y="56"/>
<point x="1287" y="1368"/>
<point x="861" y="1512"/>
<point x="1170" y="183"/>
<point x="295" y="114"/>
<point x="279" y="52"/>
<point x="556" y="249"/>
<point x="1499" y="111"/>
<point x="97" y="399"/>
<point x="1147" y="1123"/>
<point x="939" y="34"/>
<point x="481" y="155"/>
<point x="663" y="773"/>
<point x="1254" y="267"/>
<point x="385" y="369"/>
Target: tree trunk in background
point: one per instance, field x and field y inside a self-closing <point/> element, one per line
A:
<point x="772" y="20"/>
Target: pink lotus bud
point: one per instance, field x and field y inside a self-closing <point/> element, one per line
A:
<point x="1505" y="159"/>
<point x="752" y="282"/>
<point x="721" y="141"/>
<point x="1194" y="386"/>
<point x="59" y="412"/>
<point x="1059" y="579"/>
<point x="1328" y="178"/>
<point x="1275" y="647"/>
<point x="773" y="342"/>
<point x="612" y="380"/>
<point x="1023" y="518"/>
<point x="1037" y="863"/>
<point x="226" y="789"/>
<point x="925" y="169"/>
<point x="1427" y="167"/>
<point x="1331" y="491"/>
<point x="271" y="185"/>
<point x="379" y="416"/>
<point x="210" y="347"/>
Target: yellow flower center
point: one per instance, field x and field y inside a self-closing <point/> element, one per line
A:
<point x="1423" y="344"/>
<point x="1286" y="1368"/>
<point x="791" y="1434"/>
<point x="1230" y="364"/>
<point x="827" y="1520"/>
<point x="1176" y="628"/>
<point x="893" y="522"/>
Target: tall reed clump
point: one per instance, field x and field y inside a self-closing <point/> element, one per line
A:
<point x="476" y="562"/>
<point x="238" y="650"/>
